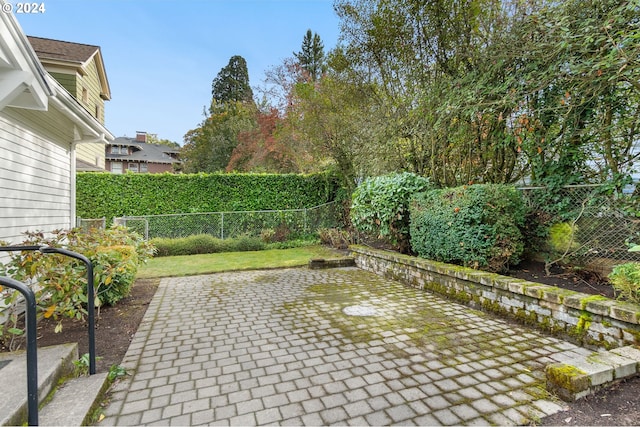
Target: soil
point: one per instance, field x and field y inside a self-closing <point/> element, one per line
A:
<point x="616" y="405"/>
<point x="115" y="327"/>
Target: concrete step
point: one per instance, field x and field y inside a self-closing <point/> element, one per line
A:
<point x="577" y="378"/>
<point x="74" y="401"/>
<point x="71" y="402"/>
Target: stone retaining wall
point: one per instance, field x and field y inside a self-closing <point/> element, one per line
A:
<point x="589" y="320"/>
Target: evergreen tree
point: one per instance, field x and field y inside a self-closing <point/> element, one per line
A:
<point x="232" y="83"/>
<point x="311" y="58"/>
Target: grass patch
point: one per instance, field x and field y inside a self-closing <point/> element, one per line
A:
<point x="190" y="265"/>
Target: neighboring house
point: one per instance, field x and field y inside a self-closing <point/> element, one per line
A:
<point x="41" y="126"/>
<point x="79" y="68"/>
<point x="136" y="155"/>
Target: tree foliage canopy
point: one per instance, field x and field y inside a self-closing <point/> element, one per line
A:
<point x="481" y="91"/>
<point x="311" y="57"/>
<point x="232" y="83"/>
<point x="472" y="91"/>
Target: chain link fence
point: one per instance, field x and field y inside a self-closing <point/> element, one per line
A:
<point x="89" y="223"/>
<point x="596" y="229"/>
<point x="294" y="222"/>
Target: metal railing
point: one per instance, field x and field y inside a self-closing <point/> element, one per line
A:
<point x="32" y="347"/>
<point x="90" y="290"/>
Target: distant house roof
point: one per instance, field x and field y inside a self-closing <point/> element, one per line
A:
<point x="143" y="152"/>
<point x="65" y="54"/>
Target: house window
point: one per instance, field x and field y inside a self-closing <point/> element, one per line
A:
<point x="115" y="149"/>
<point x="143" y="168"/>
<point x="116" y="167"/>
<point x="85" y="95"/>
<point x="133" y="167"/>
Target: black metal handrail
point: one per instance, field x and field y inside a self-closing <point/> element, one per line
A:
<point x="32" y="347"/>
<point x="90" y="290"/>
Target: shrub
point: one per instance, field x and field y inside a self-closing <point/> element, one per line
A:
<point x="244" y="243"/>
<point x="205" y="244"/>
<point x="334" y="237"/>
<point x="562" y="237"/>
<point x="380" y="206"/>
<point x="625" y="279"/>
<point x="476" y="226"/>
<point x="59" y="282"/>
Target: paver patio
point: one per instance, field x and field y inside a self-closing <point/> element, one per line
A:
<point x="318" y="347"/>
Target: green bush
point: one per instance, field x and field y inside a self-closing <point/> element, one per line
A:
<point x="625" y="279"/>
<point x="205" y="244"/>
<point x="59" y="282"/>
<point x="380" y="206"/>
<point x="476" y="226"/>
<point x="562" y="237"/>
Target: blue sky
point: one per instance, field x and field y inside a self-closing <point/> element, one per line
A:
<point x="161" y="55"/>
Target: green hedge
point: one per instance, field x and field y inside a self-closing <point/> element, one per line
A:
<point x="476" y="226"/>
<point x="110" y="195"/>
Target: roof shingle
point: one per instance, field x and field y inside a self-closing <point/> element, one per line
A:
<point x="61" y="50"/>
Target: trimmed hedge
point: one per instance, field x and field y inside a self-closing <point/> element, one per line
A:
<point x="477" y="226"/>
<point x="110" y="195"/>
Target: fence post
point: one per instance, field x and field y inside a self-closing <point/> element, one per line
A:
<point x="222" y="225"/>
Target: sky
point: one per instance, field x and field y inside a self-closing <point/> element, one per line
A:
<point x="161" y="55"/>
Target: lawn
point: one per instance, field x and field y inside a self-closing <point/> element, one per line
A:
<point x="189" y="265"/>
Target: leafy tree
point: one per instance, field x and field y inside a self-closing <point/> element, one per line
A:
<point x="152" y="138"/>
<point x="208" y="148"/>
<point x="232" y="83"/>
<point x="311" y="58"/>
<point x="496" y="91"/>
<point x="260" y="150"/>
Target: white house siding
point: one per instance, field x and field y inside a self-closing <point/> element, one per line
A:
<point x="35" y="173"/>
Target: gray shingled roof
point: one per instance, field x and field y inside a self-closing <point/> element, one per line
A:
<point x="61" y="50"/>
<point x="152" y="153"/>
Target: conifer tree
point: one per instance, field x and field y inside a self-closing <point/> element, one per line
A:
<point x="311" y="58"/>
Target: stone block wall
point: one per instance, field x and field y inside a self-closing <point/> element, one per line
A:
<point x="589" y="320"/>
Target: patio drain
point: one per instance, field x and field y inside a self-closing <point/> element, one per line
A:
<point x="361" y="310"/>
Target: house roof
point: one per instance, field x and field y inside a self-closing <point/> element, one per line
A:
<point x="61" y="50"/>
<point x="65" y="55"/>
<point x="143" y="152"/>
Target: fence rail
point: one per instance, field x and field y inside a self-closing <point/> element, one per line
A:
<point x="235" y="223"/>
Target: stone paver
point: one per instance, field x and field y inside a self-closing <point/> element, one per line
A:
<point x="277" y="347"/>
